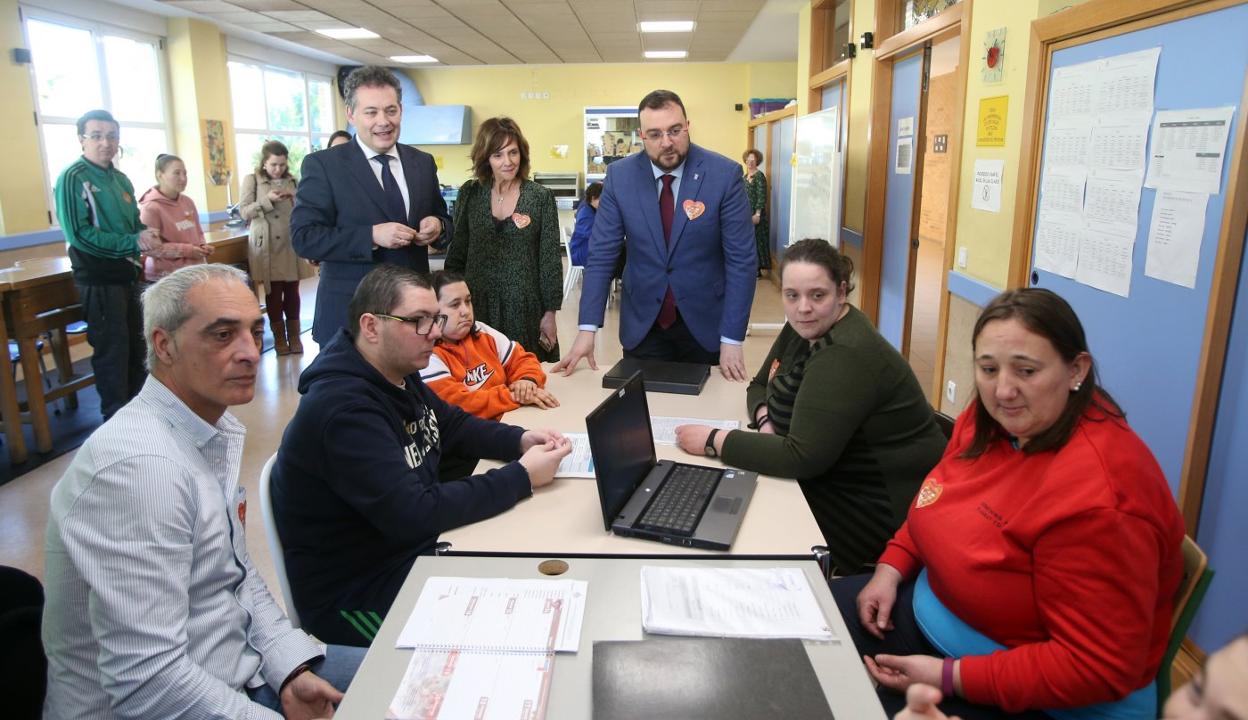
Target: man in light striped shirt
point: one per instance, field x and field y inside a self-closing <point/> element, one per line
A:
<point x="153" y="607"/>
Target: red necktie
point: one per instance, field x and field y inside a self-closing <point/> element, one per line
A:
<point x="667" y="206"/>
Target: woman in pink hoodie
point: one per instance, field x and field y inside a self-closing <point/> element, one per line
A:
<point x="173" y="215"/>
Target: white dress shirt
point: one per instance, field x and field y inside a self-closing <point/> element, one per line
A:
<point x="153" y="607"/>
<point x="396" y="167"/>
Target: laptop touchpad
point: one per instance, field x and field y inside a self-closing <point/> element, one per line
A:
<point x="721" y="504"/>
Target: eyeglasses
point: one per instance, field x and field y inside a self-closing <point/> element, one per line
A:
<point x="423" y="324"/>
<point x="100" y="137"/>
<point x="672" y="133"/>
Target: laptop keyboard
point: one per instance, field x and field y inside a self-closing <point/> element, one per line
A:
<point x="678" y="505"/>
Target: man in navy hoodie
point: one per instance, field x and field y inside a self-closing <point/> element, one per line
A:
<point x="355" y="489"/>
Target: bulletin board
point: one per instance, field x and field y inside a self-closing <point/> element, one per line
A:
<point x="1159" y="349"/>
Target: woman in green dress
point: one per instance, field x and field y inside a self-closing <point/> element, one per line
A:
<point x="756" y="188"/>
<point x="506" y="242"/>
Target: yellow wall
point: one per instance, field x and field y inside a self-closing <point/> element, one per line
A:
<point x="201" y="91"/>
<point x="708" y="90"/>
<point x="23" y="203"/>
<point x="861" y="72"/>
<point x="986" y="235"/>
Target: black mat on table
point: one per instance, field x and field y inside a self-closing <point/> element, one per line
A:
<point x="71" y="428"/>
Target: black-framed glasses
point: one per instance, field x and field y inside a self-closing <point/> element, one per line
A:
<point x="423" y="324"/>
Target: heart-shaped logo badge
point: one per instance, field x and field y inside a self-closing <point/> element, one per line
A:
<point x="694" y="209"/>
<point x="929" y="493"/>
<point x="521" y="220"/>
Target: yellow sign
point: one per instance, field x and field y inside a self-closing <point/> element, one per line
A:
<point x="992" y="113"/>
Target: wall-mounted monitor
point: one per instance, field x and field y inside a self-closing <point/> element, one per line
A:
<point x="436" y="125"/>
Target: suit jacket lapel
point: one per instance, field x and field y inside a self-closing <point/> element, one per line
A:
<point x="648" y="201"/>
<point x="690" y="183"/>
<point x="358" y="165"/>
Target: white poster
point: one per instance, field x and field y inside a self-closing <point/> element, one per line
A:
<point x="986" y="194"/>
<point x="1105" y="261"/>
<point x="905" y="126"/>
<point x="905" y="156"/>
<point x="1057" y="243"/>
<point x="1188" y="149"/>
<point x="1174" y="236"/>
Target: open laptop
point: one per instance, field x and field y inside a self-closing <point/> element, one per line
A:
<point x="660" y="375"/>
<point x="689" y="505"/>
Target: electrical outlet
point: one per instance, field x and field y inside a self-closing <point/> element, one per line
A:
<point x="962" y="257"/>
<point x="951" y="391"/>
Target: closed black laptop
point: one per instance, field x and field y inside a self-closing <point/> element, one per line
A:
<point x="660" y="375"/>
<point x="641" y="496"/>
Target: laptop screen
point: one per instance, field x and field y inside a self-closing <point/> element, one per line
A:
<point x="621" y="444"/>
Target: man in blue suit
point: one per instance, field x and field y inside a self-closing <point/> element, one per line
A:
<point x="367" y="202"/>
<point x="682" y="212"/>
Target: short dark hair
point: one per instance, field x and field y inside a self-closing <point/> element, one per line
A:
<point x="337" y="134"/>
<point x="441" y="278"/>
<point x="758" y="156"/>
<point x="370" y="76"/>
<point x="381" y="290"/>
<point x="90" y="115"/>
<point x="1046" y="314"/>
<point x="593" y="190"/>
<point x="270" y="149"/>
<point x="817" y="251"/>
<point x="658" y="99"/>
<point x="493" y="134"/>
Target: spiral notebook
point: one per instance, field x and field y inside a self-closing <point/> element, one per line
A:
<point x="485" y="648"/>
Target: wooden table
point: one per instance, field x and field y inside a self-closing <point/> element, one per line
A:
<point x="38" y="297"/>
<point x="566" y="516"/>
<point x="612" y="612"/>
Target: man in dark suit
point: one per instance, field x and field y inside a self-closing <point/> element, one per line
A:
<point x="366" y="202"/>
<point x="682" y="212"/>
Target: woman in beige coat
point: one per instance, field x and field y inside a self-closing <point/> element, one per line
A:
<point x="267" y="199"/>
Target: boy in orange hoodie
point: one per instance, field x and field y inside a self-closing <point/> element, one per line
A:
<point x="475" y="366"/>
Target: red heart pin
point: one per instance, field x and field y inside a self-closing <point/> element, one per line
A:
<point x="694" y="209"/>
<point x="521" y="220"/>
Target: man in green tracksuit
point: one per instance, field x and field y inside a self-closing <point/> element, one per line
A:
<point x="96" y="208"/>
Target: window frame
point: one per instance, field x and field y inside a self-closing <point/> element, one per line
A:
<point x="316" y="139"/>
<point x="98" y="31"/>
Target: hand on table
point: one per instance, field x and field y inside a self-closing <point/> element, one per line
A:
<point x="542" y="460"/>
<point x="692" y="438"/>
<point x="732" y="362"/>
<point x="582" y="347"/>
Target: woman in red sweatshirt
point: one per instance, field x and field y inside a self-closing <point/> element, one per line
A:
<point x="167" y="210"/>
<point x="477" y="367"/>
<point x="1037" y="567"/>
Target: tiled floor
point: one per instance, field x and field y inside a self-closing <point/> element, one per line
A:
<point x="24" y="501"/>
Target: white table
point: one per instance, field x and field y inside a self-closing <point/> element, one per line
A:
<point x="566" y="517"/>
<point x="613" y="612"/>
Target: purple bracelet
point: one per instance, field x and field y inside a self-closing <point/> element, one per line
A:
<point x="946" y="678"/>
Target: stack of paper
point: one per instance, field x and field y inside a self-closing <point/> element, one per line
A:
<point x="731" y="602"/>
<point x="485" y="648"/>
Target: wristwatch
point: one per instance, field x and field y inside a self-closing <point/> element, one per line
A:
<point x="710" y="443"/>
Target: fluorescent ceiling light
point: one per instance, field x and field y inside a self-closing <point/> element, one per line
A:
<point x="349" y="34"/>
<point x="666" y="54"/>
<point x="414" y="58"/>
<point x="665" y="26"/>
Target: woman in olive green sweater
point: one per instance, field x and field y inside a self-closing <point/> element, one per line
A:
<point x="836" y="407"/>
